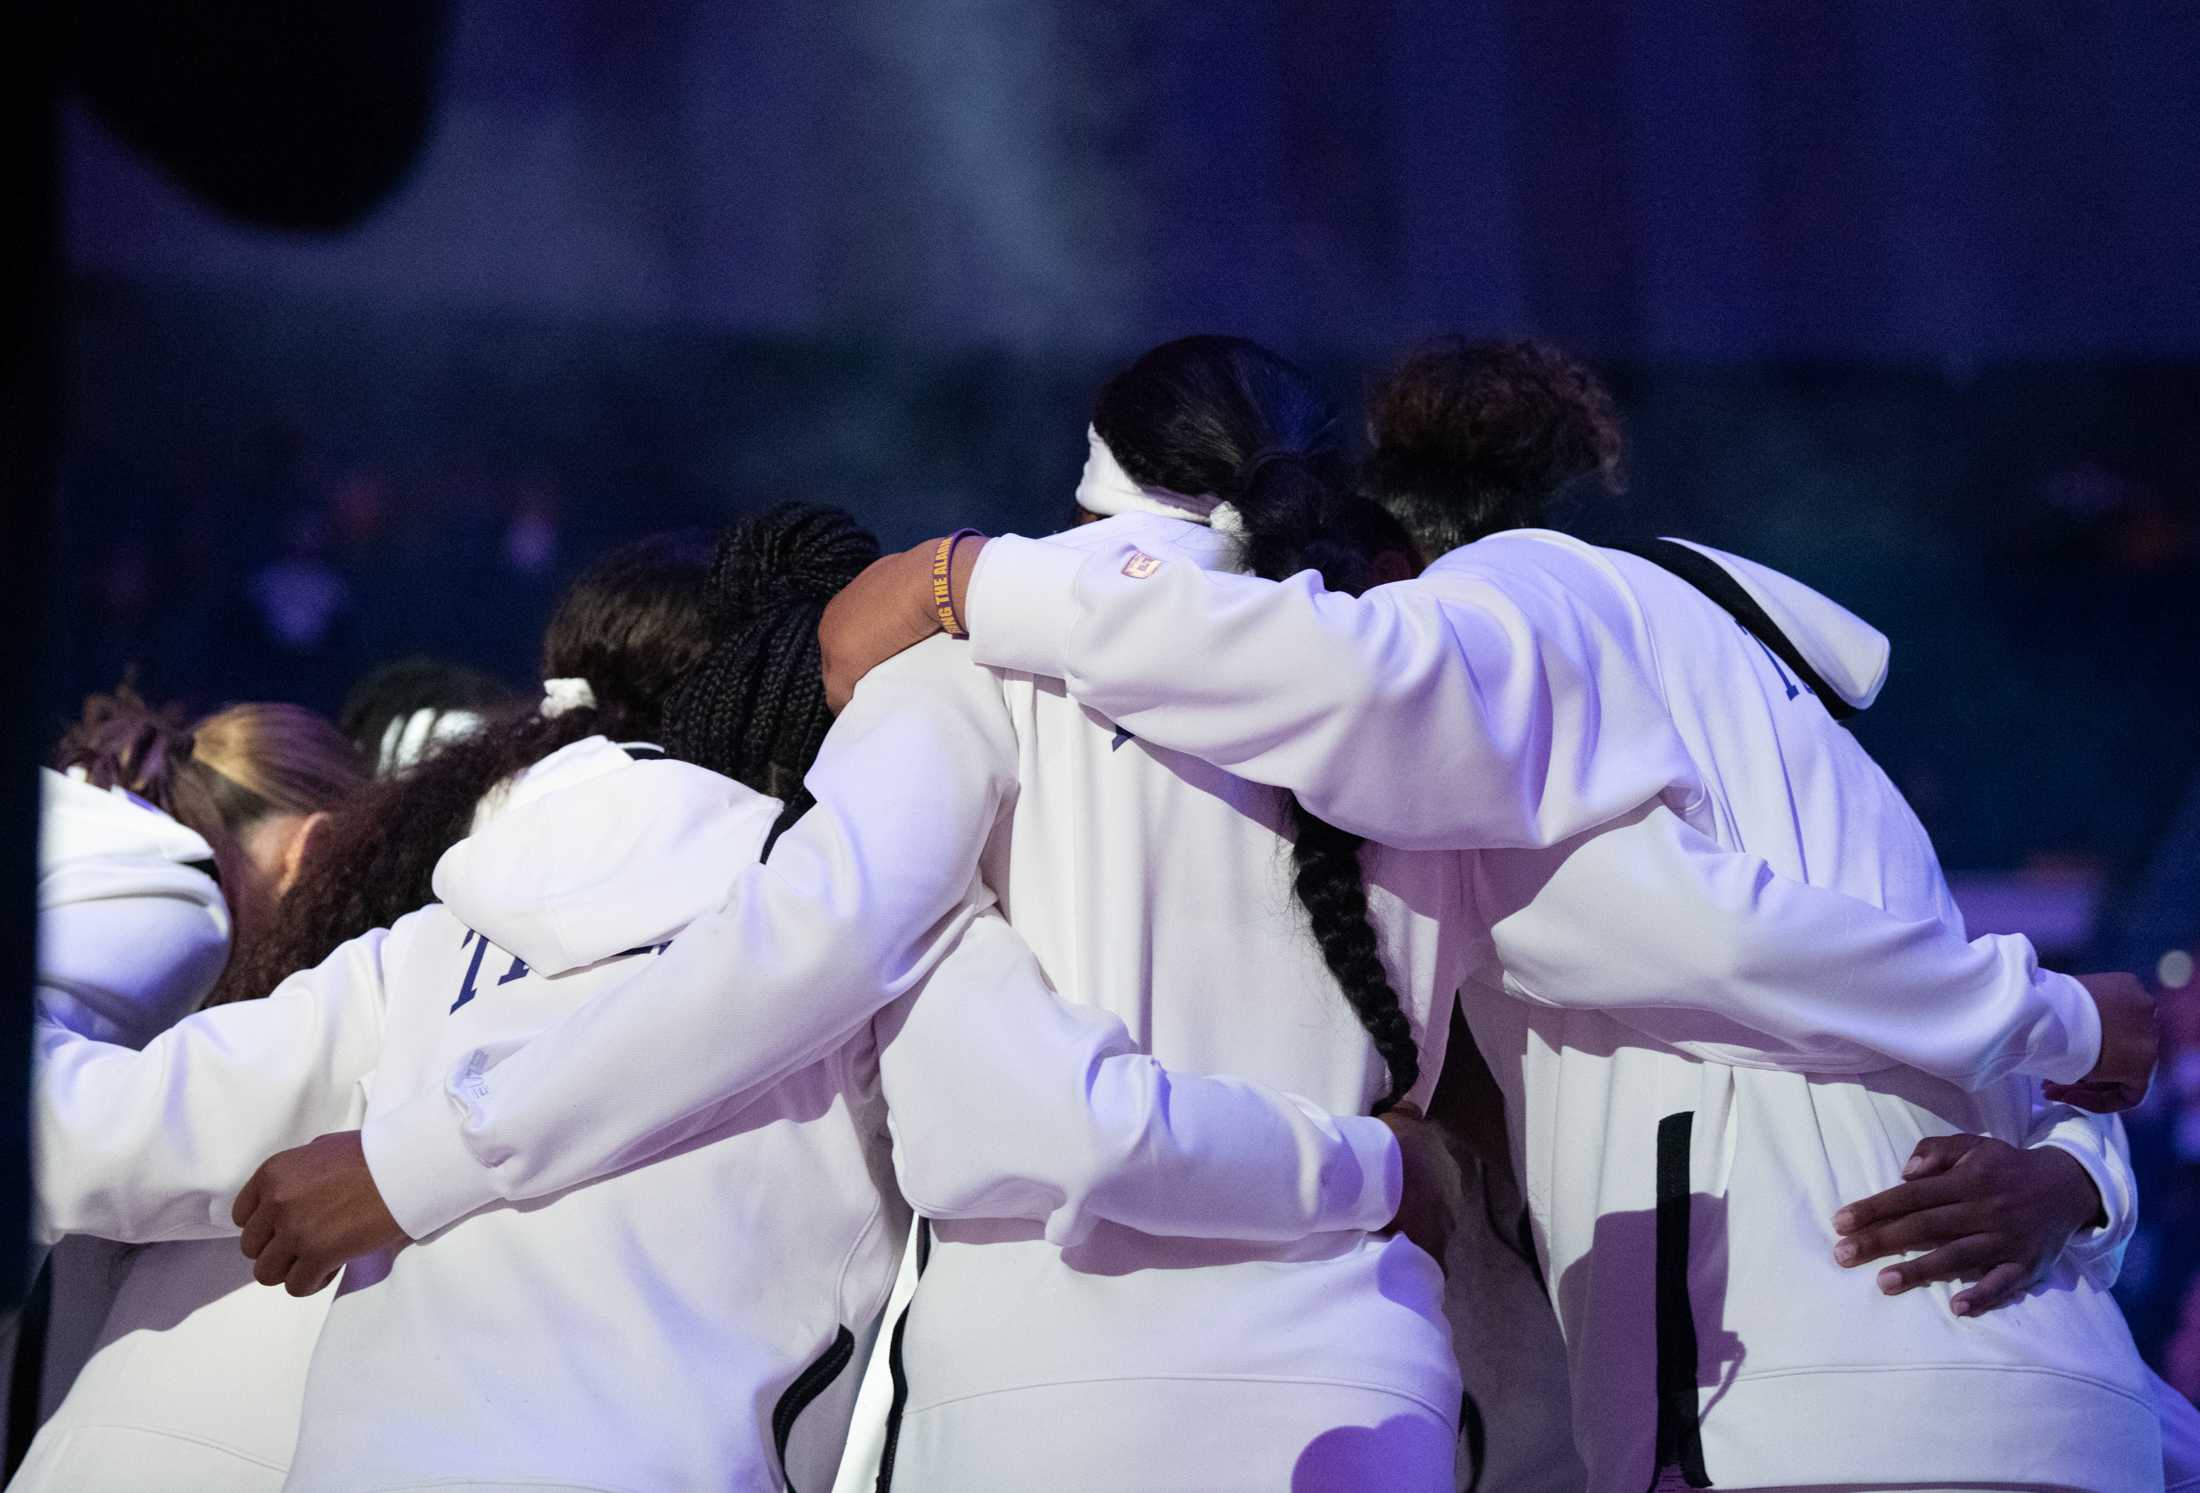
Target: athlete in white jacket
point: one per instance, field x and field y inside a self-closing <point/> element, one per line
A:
<point x="935" y="768"/>
<point x="1531" y="690"/>
<point x="165" y="1353"/>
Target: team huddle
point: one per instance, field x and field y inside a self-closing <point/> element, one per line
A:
<point x="1311" y="979"/>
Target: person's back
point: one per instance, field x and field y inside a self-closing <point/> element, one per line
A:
<point x="1772" y="1156"/>
<point x="654" y="1329"/>
<point x="1159" y="889"/>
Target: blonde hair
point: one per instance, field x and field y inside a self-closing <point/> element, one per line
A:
<point x="218" y="777"/>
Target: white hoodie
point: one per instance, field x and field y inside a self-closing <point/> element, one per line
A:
<point x="1527" y="691"/>
<point x="164" y="1351"/>
<point x="635" y="1335"/>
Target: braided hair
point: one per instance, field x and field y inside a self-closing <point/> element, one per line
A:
<point x="754" y="707"/>
<point x="631" y="625"/>
<point x="1225" y="416"/>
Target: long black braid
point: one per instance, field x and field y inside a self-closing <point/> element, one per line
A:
<point x="1224" y="416"/>
<point x="754" y="708"/>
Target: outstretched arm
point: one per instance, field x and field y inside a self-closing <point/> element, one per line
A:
<point x="151" y="1145"/>
<point x="856" y="903"/>
<point x="1502" y="698"/>
<point x="1007" y="1101"/>
<point x="1650" y="920"/>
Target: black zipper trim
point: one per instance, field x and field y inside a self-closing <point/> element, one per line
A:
<point x="1680" y="1429"/>
<point x="893" y="1367"/>
<point x="803" y="1392"/>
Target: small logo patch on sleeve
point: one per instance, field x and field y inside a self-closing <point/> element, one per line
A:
<point x="1140" y="565"/>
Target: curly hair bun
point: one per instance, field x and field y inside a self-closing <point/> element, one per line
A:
<point x="793" y="554"/>
<point x="1492" y="430"/>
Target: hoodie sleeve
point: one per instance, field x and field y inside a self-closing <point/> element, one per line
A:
<point x="126" y="945"/>
<point x="1006" y="1101"/>
<point x="1504" y="697"/>
<point x="153" y="1145"/>
<point x="2099" y="1145"/>
<point x="859" y="900"/>
<point x="1708" y="929"/>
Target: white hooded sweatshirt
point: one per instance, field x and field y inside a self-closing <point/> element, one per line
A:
<point x="1533" y="691"/>
<point x="936" y="768"/>
<point x="679" y="1326"/>
<point x="166" y="1351"/>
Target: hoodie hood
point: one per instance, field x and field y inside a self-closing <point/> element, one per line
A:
<point x="78" y="822"/>
<point x="591" y="853"/>
<point x="1849" y="653"/>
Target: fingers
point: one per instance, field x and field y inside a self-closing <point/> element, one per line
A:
<point x="1965" y="1259"/>
<point x="248" y="1201"/>
<point x="1897" y="1201"/>
<point x="273" y="1265"/>
<point x="2098" y="1098"/>
<point x="1998" y="1287"/>
<point x="1937" y="1153"/>
<point x="304" y="1279"/>
<point x="259" y="1231"/>
<point x="1905" y="1235"/>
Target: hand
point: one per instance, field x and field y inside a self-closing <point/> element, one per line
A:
<point x="2130" y="1043"/>
<point x="310" y="1211"/>
<point x="884" y="610"/>
<point x="1983" y="1210"/>
<point x="1428" y="1201"/>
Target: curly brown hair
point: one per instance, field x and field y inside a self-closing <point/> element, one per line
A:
<point x="1469" y="438"/>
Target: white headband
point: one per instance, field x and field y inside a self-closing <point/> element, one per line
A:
<point x="408" y="738"/>
<point x="562" y="695"/>
<point x="1106" y="489"/>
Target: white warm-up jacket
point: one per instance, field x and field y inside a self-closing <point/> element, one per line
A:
<point x="676" y="1326"/>
<point x="1161" y="912"/>
<point x="1533" y="692"/>
<point x="168" y="1354"/>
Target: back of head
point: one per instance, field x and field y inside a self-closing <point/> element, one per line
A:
<point x="401" y="709"/>
<point x="1225" y="417"/>
<point x="754" y="707"/>
<point x="220" y="777"/>
<point x="1469" y="438"/>
<point x="631" y="626"/>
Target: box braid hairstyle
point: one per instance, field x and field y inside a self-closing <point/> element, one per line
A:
<point x="1226" y="417"/>
<point x="1469" y="438"/>
<point x="632" y="625"/>
<point x="754" y="708"/>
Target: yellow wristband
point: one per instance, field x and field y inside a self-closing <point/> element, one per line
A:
<point x="943" y="584"/>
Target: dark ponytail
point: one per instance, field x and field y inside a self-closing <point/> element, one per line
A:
<point x="754" y="707"/>
<point x="1469" y="438"/>
<point x="1225" y="417"/>
<point x="631" y="625"/>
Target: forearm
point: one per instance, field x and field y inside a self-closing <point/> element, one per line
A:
<point x="1007" y="1101"/>
<point x="1478" y="705"/>
<point x="1708" y="929"/>
<point x="143" y="1146"/>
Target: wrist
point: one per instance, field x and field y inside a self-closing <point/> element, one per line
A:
<point x="2078" y="1198"/>
<point x="962" y="563"/>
